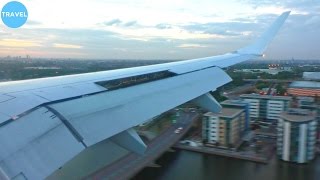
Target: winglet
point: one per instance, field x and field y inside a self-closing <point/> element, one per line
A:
<point x="258" y="47"/>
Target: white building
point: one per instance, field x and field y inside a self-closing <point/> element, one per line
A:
<point x="266" y="106"/>
<point x="275" y="108"/>
<point x="297" y="136"/>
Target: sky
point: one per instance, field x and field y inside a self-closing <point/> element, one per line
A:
<point x="160" y="29"/>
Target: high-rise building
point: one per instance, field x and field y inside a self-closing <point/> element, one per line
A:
<point x="224" y="128"/>
<point x="296" y="136"/>
<point x="304" y="102"/>
<point x="266" y="107"/>
<point x="310" y="104"/>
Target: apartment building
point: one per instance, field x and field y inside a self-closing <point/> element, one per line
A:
<point x="239" y="104"/>
<point x="266" y="107"/>
<point x="224" y="128"/>
<point x="296" y="138"/>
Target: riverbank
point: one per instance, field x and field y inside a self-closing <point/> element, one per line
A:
<point x="226" y="153"/>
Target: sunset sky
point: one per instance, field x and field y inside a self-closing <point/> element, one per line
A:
<point x="163" y="29"/>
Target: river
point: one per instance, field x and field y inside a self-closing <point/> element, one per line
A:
<point x="187" y="165"/>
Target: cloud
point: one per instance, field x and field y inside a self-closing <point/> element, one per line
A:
<point x="19" y="43"/>
<point x="191" y="46"/>
<point x="298" y="7"/>
<point x="313" y="20"/>
<point x="149" y="33"/>
<point x="222" y="28"/>
<point x="163" y="26"/>
<point x="66" y="46"/>
<point x="120" y="23"/>
<point x="150" y="29"/>
<point x="112" y="22"/>
<point x="271" y="9"/>
<point x="130" y="23"/>
<point x="33" y="23"/>
<point x="79" y="43"/>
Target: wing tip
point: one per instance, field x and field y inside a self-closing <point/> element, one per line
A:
<point x="261" y="44"/>
<point x="286" y="12"/>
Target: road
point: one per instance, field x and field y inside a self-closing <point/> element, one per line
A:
<point x="129" y="165"/>
<point x="270" y="80"/>
<point x="234" y="93"/>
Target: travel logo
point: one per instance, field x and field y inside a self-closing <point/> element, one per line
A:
<point x="14" y="14"/>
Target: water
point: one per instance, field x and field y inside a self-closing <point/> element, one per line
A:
<point x="187" y="165"/>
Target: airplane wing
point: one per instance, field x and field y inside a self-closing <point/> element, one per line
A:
<point x="46" y="122"/>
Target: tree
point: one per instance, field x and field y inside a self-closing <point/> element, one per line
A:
<point x="261" y="85"/>
<point x="217" y="96"/>
<point x="280" y="89"/>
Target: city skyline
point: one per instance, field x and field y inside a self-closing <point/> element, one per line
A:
<point x="159" y="29"/>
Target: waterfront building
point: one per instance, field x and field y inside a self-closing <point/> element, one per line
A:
<point x="304" y="102"/>
<point x="223" y="128"/>
<point x="310" y="104"/>
<point x="296" y="137"/>
<point x="266" y="107"/>
<point x="239" y="104"/>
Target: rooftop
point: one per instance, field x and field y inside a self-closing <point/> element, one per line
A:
<point x="305" y="98"/>
<point x="238" y="102"/>
<point x="258" y="96"/>
<point x="311" y="75"/>
<point x="305" y="84"/>
<point x="226" y="112"/>
<point x="298" y="115"/>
